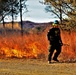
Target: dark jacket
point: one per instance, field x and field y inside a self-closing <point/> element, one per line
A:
<point x="54" y="36"/>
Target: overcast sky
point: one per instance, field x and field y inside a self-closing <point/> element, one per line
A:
<point x="37" y="12"/>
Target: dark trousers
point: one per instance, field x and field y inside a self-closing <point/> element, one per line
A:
<point x="51" y="51"/>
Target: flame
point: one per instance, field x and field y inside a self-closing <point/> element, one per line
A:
<point x="20" y="47"/>
<point x="35" y="45"/>
<point x="34" y="49"/>
<point x="10" y="53"/>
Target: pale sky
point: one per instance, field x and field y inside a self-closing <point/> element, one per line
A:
<point x="36" y="12"/>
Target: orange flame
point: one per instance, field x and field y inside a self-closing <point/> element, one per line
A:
<point x="18" y="46"/>
<point x="35" y="45"/>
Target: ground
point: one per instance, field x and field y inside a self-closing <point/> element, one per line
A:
<point x="35" y="67"/>
<point x="27" y="54"/>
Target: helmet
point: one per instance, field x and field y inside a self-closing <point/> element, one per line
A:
<point x="56" y="22"/>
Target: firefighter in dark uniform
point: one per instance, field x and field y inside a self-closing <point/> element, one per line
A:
<point x="55" y="41"/>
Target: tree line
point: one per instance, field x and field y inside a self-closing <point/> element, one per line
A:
<point x="58" y="7"/>
<point x="12" y="8"/>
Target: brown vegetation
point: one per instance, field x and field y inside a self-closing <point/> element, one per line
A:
<point x="35" y="67"/>
<point x="34" y="44"/>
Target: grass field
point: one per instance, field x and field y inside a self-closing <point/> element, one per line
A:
<point x="35" y="67"/>
<point x="30" y="53"/>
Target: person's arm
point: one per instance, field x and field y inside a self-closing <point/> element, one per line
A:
<point x="60" y="40"/>
<point x="50" y="35"/>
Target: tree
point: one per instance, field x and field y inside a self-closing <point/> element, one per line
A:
<point x="14" y="7"/>
<point x="73" y="4"/>
<point x="3" y="9"/>
<point x="6" y="7"/>
<point x="22" y="5"/>
<point x="60" y="7"/>
<point x="72" y="14"/>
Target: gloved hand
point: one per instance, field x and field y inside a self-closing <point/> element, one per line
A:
<point x="61" y="44"/>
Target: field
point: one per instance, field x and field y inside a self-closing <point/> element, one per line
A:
<point x="35" y="67"/>
<point x="27" y="54"/>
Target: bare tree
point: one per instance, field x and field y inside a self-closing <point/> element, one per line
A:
<point x="6" y="7"/>
<point x="60" y="7"/>
<point x="13" y="7"/>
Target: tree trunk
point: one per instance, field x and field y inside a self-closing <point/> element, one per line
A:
<point x="60" y="10"/>
<point x="3" y="21"/>
<point x="60" y="15"/>
<point x="12" y="17"/>
<point x="21" y="18"/>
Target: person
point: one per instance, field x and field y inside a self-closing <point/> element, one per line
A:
<point x="55" y="41"/>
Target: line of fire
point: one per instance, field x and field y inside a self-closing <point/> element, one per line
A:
<point x="33" y="43"/>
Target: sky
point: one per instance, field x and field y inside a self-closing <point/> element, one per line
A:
<point x="37" y="12"/>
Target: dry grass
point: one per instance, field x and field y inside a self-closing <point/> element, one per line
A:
<point x="36" y="43"/>
<point x="35" y="67"/>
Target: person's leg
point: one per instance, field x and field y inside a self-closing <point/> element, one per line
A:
<point x="51" y="50"/>
<point x="58" y="51"/>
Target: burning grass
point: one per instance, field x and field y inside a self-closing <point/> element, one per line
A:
<point x="34" y="44"/>
<point x="27" y="46"/>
